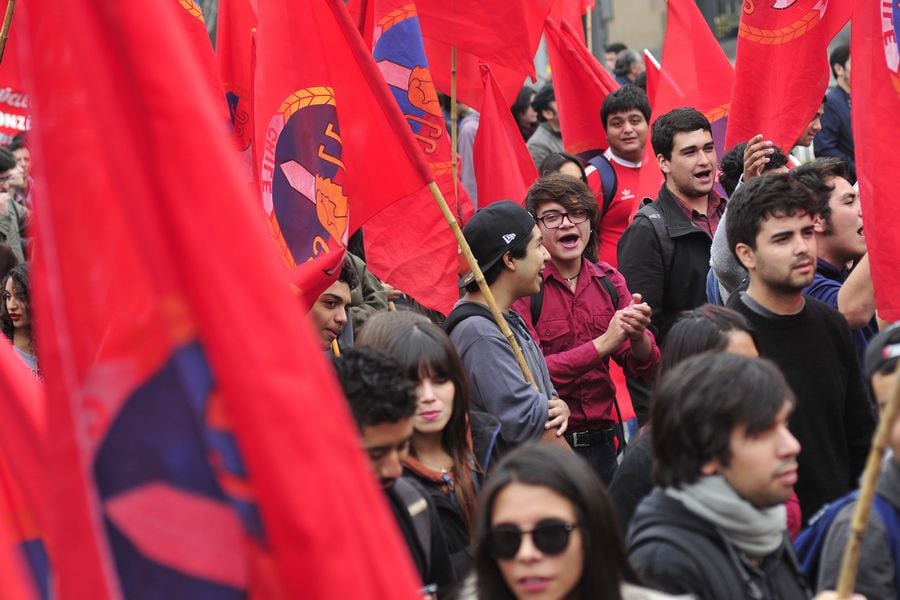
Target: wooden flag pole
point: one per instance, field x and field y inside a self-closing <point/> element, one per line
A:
<point x="589" y="25"/>
<point x="7" y="23"/>
<point x="849" y="565"/>
<point x="482" y="284"/>
<point x="454" y="132"/>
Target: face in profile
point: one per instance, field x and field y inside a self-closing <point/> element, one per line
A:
<point x="329" y="313"/>
<point x="537" y="542"/>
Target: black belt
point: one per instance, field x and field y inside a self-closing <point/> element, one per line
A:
<point x="586" y="439"/>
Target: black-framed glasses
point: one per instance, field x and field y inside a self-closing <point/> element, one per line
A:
<point x="550" y="536"/>
<point x="553" y="219"/>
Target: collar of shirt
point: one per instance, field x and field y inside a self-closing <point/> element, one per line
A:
<point x="715" y="206"/>
<point x="625" y="163"/>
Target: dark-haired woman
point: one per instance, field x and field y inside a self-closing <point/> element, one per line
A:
<point x="15" y="315"/>
<point x="525" y="115"/>
<point x="451" y="447"/>
<point x="547" y="530"/>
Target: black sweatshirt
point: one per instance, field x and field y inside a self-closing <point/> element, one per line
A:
<point x="832" y="419"/>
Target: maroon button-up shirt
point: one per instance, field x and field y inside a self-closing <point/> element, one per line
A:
<point x="568" y="324"/>
<point x="708" y="223"/>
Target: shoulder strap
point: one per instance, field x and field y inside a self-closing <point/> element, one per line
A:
<point x="608" y="181"/>
<point x="610" y="288"/>
<point x="537" y="300"/>
<point x="417" y="506"/>
<point x="707" y="559"/>
<point x="463" y="312"/>
<point x="650" y="211"/>
<point x="808" y="545"/>
<point x="891" y="520"/>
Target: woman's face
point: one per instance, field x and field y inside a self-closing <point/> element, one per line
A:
<point x="528" y="116"/>
<point x="572" y="170"/>
<point x="531" y="573"/>
<point x="434" y="407"/>
<point x="15" y="305"/>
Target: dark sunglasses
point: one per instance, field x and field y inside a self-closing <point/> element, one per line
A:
<point x="550" y="536"/>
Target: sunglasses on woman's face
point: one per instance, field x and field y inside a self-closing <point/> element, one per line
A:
<point x="550" y="536"/>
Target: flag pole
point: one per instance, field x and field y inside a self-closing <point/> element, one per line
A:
<point x="867" y="490"/>
<point x="7" y="22"/>
<point x="482" y="284"/>
<point x="589" y="25"/>
<point x="454" y="132"/>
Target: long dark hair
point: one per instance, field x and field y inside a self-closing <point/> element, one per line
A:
<point x="425" y="350"/>
<point x="704" y="329"/>
<point x="605" y="565"/>
<point x="19" y="277"/>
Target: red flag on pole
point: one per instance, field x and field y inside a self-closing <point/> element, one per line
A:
<point x="333" y="147"/>
<point x="876" y="119"/>
<point x="423" y="261"/>
<point x="571" y="12"/>
<point x="581" y="85"/>
<point x="781" y="68"/>
<point x="190" y="410"/>
<point x="503" y="168"/>
<point x="652" y="67"/>
<point x="15" y="115"/>
<point x="191" y="18"/>
<point x="234" y="55"/>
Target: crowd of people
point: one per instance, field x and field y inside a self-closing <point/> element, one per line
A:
<point x="734" y="313"/>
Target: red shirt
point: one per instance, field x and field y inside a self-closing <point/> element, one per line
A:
<point x="565" y="331"/>
<point x="708" y="223"/>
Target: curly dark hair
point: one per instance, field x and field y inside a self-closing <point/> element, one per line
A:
<point x="19" y="277"/>
<point x="731" y="166"/>
<point x="378" y="388"/>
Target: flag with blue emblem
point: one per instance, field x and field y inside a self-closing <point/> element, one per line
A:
<point x="199" y="446"/>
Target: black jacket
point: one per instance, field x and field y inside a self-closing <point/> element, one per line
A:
<point x="681" y="553"/>
<point x="641" y="261"/>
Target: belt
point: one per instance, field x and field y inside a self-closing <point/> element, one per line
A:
<point x="585" y="439"/>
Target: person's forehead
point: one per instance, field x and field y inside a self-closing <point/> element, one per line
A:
<point x="339" y="290"/>
<point x="840" y="186"/>
<point x="780" y="221"/>
<point x="387" y="435"/>
<point x="625" y="114"/>
<point x="548" y="206"/>
<point x="698" y="137"/>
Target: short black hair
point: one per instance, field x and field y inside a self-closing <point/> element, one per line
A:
<point x="348" y="273"/>
<point x="624" y="99"/>
<point x="731" y="166"/>
<point x="839" y="56"/>
<point x="817" y="176"/>
<point x="680" y="120"/>
<point x="377" y="387"/>
<point x="696" y="406"/>
<point x="773" y="194"/>
<point x="7" y="160"/>
<point x="615" y="47"/>
<point x="542" y="100"/>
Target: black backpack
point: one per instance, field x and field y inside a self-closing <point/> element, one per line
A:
<point x="608" y="180"/>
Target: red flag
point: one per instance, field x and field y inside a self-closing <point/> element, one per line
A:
<point x="15" y="114"/>
<point x="234" y="56"/>
<point x="24" y="566"/>
<point x="191" y="18"/>
<point x="652" y="67"/>
<point x="774" y="40"/>
<point x="581" y="85"/>
<point x="423" y="260"/>
<point x="695" y="71"/>
<point x="190" y="410"/>
<point x="333" y="147"/>
<point x="502" y="34"/>
<point x="503" y="168"/>
<point x="876" y="119"/>
<point x="570" y="12"/>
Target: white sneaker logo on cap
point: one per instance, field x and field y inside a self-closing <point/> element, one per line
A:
<point x="509" y="237"/>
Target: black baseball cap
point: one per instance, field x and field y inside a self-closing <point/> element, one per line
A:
<point x="493" y="230"/>
<point x="882" y="349"/>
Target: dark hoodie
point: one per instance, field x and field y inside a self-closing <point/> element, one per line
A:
<point x="680" y="553"/>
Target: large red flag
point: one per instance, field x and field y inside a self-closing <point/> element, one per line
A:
<point x="333" y="147"/>
<point x="15" y="114"/>
<point x="24" y="565"/>
<point x="652" y="67"/>
<point x="503" y="168"/>
<point x="423" y="260"/>
<point x="570" y="12"/>
<point x="876" y="119"/>
<point x="191" y="18"/>
<point x="581" y="84"/>
<point x="200" y="447"/>
<point x="781" y="67"/>
<point x="234" y="56"/>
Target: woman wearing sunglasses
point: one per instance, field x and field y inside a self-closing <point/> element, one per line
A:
<point x="547" y="530"/>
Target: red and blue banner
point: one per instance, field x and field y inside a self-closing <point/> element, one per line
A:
<point x="198" y="445"/>
<point x="876" y="122"/>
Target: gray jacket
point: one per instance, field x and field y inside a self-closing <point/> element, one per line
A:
<point x="544" y="142"/>
<point x="497" y="385"/>
<point x="12" y="229"/>
<point x="876" y="574"/>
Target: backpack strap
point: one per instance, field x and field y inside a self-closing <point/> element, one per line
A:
<point x="463" y="312"/>
<point x="650" y="211"/>
<point x="891" y="520"/>
<point x="608" y="181"/>
<point x="417" y="506"/>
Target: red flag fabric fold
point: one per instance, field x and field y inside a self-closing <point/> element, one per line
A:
<point x="199" y="445"/>
<point x="333" y="147"/>
<point x="876" y="119"/>
<point x="15" y="115"/>
<point x="775" y="39"/>
<point x="581" y="84"/>
<point x="503" y="168"/>
<point x="409" y="244"/>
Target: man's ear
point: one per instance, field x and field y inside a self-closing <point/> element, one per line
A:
<point x="746" y="256"/>
<point x="711" y="467"/>
<point x="509" y="261"/>
<point x="819" y="224"/>
<point x="663" y="164"/>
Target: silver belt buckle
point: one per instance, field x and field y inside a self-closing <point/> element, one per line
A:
<point x="576" y="443"/>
